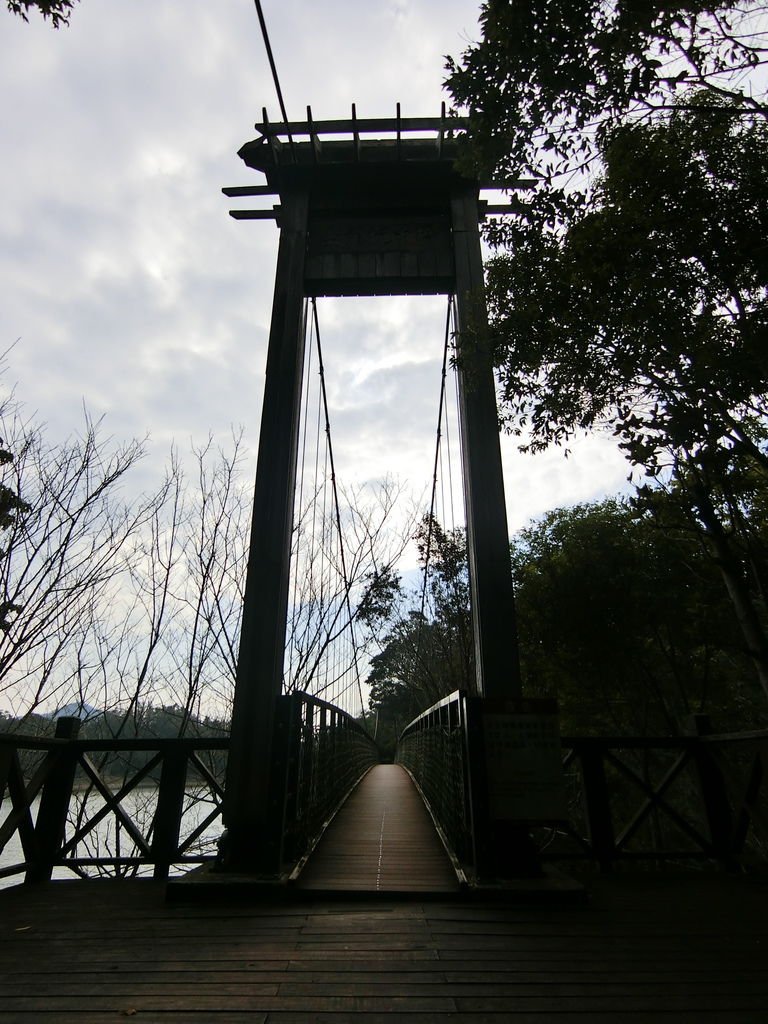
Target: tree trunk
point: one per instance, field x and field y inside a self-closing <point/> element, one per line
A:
<point x="733" y="576"/>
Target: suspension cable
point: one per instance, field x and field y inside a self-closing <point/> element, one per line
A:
<point x="452" y="305"/>
<point x="273" y="66"/>
<point x="337" y="514"/>
<point x="433" y="500"/>
<point x="299" y="523"/>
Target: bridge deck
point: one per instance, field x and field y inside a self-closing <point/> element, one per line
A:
<point x="650" y="950"/>
<point x="382" y="840"/>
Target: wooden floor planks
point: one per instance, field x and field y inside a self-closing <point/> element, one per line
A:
<point x="650" y="950"/>
<point x="382" y="840"/>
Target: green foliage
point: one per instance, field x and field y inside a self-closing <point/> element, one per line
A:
<point x="143" y="721"/>
<point x="656" y="311"/>
<point x="656" y="324"/>
<point x="383" y="587"/>
<point x="549" y="78"/>
<point x="426" y="651"/>
<point x="636" y="299"/>
<point x="57" y="10"/>
<point x="624" y="619"/>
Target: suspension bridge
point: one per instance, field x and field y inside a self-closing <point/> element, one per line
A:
<point x="484" y="795"/>
<point x="370" y="207"/>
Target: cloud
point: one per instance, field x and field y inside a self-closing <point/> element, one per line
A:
<point x="131" y="289"/>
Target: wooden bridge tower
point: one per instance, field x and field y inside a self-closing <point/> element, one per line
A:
<point x="366" y="207"/>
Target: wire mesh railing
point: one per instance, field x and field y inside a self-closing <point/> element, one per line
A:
<point x="328" y="753"/>
<point x="434" y="750"/>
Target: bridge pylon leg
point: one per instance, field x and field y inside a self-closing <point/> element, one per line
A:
<point x="255" y="784"/>
<point x="497" y="665"/>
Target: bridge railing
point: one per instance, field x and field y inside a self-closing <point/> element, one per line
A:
<point x="328" y="752"/>
<point x="435" y="750"/>
<point x="122" y="807"/>
<point x="650" y="800"/>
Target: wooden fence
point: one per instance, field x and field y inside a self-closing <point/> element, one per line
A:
<point x="123" y="807"/>
<point x="649" y="800"/>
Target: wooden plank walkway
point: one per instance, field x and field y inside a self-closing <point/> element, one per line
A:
<point x="382" y="840"/>
<point x="651" y="950"/>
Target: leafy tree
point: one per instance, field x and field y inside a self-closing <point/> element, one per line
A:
<point x="655" y="322"/>
<point x="637" y="298"/>
<point x="550" y="78"/>
<point x="427" y="648"/>
<point x="650" y="312"/>
<point x="627" y="623"/>
<point x="724" y="508"/>
<point x="57" y="10"/>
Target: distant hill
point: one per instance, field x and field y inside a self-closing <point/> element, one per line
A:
<point x="145" y="722"/>
<point x="85" y="712"/>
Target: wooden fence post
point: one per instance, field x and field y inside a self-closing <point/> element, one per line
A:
<point x="54" y="803"/>
<point x="597" y="806"/>
<point x="714" y="794"/>
<point x="170" y="806"/>
<point x="6" y="760"/>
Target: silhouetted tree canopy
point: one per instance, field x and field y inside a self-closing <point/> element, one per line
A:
<point x="57" y="10"/>
<point x="549" y="78"/>
<point x="624" y="618"/>
<point x="426" y="648"/>
<point x="630" y="289"/>
<point x="650" y="312"/>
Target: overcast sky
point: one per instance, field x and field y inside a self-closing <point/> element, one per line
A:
<point x="127" y="285"/>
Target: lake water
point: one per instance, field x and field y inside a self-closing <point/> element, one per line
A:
<point x="110" y="840"/>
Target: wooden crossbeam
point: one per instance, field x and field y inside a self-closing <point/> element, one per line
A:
<point x="201" y="828"/>
<point x="655" y="798"/>
<point x="272" y="214"/>
<point x="365" y="126"/>
<point x="112" y="805"/>
<point x="20" y="818"/>
<point x="210" y="779"/>
<point x="233" y="191"/>
<point x="317" y="150"/>
<point x="355" y="133"/>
